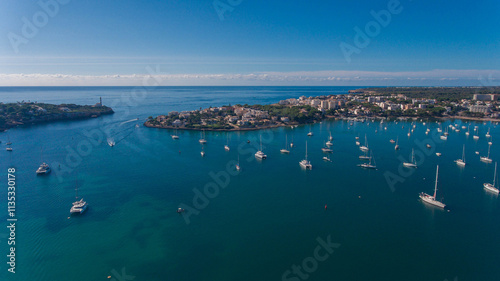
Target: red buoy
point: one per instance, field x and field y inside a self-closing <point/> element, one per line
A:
<point x="325" y="207"/>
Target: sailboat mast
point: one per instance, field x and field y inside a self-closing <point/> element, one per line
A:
<point x="463" y="154"/>
<point x="436" y="186"/>
<point x="495" y="175"/>
<point x="306" y="150"/>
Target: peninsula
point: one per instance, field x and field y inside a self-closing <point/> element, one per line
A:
<point x="477" y="103"/>
<point x="21" y="113"/>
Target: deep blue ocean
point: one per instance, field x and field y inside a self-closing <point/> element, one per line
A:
<point x="267" y="222"/>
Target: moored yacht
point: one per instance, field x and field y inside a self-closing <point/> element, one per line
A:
<point x="432" y="199"/>
<point x="306" y="164"/>
<point x="491" y="186"/>
<point x="412" y="163"/>
<point x="365" y="147"/>
<point x="259" y="154"/>
<point x="202" y="138"/>
<point x="486" y="159"/>
<point x="79" y="206"/>
<point x="461" y="162"/>
<point x="285" y="150"/>
<point x="43" y="169"/>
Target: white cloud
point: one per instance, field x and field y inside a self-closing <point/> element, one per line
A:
<point x="335" y="77"/>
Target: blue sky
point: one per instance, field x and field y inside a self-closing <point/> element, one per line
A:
<point x="256" y="42"/>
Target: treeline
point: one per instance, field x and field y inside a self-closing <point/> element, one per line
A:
<point x="448" y="94"/>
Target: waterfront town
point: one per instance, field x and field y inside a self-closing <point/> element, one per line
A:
<point x="461" y="103"/>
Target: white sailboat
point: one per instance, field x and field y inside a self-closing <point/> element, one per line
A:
<point x="488" y="133"/>
<point x="226" y="147"/>
<point x="468" y="131"/>
<point x="476" y="136"/>
<point x="486" y="159"/>
<point x="202" y="152"/>
<point x="259" y="154"/>
<point x="461" y="162"/>
<point x="365" y="147"/>
<point x="396" y="147"/>
<point x="310" y="134"/>
<point x="432" y="199"/>
<point x="326" y="149"/>
<point x="369" y="165"/>
<point x="330" y="138"/>
<point x="202" y="137"/>
<point x="175" y="136"/>
<point x="285" y="150"/>
<point x="492" y="186"/>
<point x="306" y="164"/>
<point x="238" y="168"/>
<point x="412" y="163"/>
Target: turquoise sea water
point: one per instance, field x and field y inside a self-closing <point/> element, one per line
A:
<point x="265" y="220"/>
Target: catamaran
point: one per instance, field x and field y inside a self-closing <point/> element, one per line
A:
<point x="412" y="163"/>
<point x="79" y="206"/>
<point x="461" y="162"/>
<point x="432" y="199"/>
<point x="259" y="154"/>
<point x="491" y="186"/>
<point x="365" y="147"/>
<point x="486" y="159"/>
<point x="306" y="164"/>
<point x="44" y="167"/>
<point x="285" y="150"/>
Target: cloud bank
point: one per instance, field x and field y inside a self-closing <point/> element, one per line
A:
<point x="321" y="78"/>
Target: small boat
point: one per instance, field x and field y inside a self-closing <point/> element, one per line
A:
<point x="428" y="145"/>
<point x="180" y="210"/>
<point x="461" y="162"/>
<point x="330" y="138"/>
<point x="226" y="147"/>
<point x="392" y="141"/>
<point x="175" y="136"/>
<point x="438" y="154"/>
<point x="44" y="169"/>
<point x="310" y="134"/>
<point x="396" y="147"/>
<point x="491" y="187"/>
<point x="111" y="142"/>
<point x="327" y="159"/>
<point x="488" y="133"/>
<point x="306" y="164"/>
<point x="202" y="153"/>
<point x="432" y="199"/>
<point x="443" y="137"/>
<point x="357" y="143"/>
<point x="326" y="149"/>
<point x="8" y="148"/>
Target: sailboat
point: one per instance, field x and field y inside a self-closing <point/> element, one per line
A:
<point x="365" y="156"/>
<point x="44" y="167"/>
<point x="432" y="199"/>
<point x="368" y="165"/>
<point x="326" y="148"/>
<point x="476" y="136"/>
<point x="238" y="164"/>
<point x="396" y="147"/>
<point x="491" y="186"/>
<point x="310" y="134"/>
<point x="8" y="148"/>
<point x="202" y="152"/>
<point x="79" y="206"/>
<point x="486" y="158"/>
<point x="8" y="140"/>
<point x="226" y="147"/>
<point x="330" y="138"/>
<point x="259" y="154"/>
<point x="409" y="133"/>
<point x="365" y="147"/>
<point x="291" y="143"/>
<point x="444" y="136"/>
<point x="175" y="136"/>
<point x="488" y="133"/>
<point x="202" y="139"/>
<point x="285" y="150"/>
<point x="412" y="163"/>
<point x="306" y="164"/>
<point x="327" y="158"/>
<point x="468" y="131"/>
<point x="461" y="162"/>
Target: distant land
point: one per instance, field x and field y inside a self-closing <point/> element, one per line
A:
<point x="22" y="113"/>
<point x="471" y="103"/>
